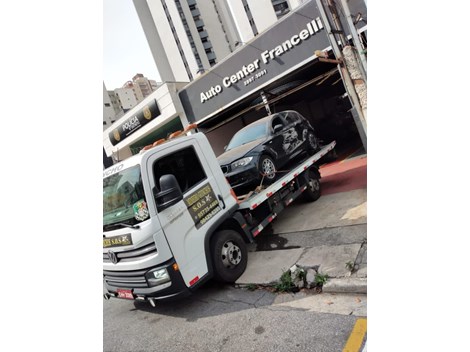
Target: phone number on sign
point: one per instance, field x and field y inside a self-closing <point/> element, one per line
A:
<point x="252" y="79"/>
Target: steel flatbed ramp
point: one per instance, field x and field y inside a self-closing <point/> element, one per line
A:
<point x="256" y="199"/>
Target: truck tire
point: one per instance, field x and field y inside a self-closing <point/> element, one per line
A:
<point x="229" y="255"/>
<point x="313" y="191"/>
<point x="267" y="167"/>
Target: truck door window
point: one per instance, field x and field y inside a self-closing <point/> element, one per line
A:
<point x="184" y="165"/>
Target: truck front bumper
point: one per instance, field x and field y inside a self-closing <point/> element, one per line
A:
<point x="137" y="285"/>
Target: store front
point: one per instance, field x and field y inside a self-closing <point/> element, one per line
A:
<point x="279" y="67"/>
<point x="156" y="117"/>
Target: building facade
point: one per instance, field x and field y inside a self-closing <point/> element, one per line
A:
<point x="109" y="114"/>
<point x="155" y="117"/>
<point x="288" y="66"/>
<point x="279" y="69"/>
<point x="127" y="97"/>
<point x="188" y="37"/>
<point x="111" y="107"/>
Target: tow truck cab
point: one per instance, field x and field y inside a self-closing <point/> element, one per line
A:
<point x="160" y="209"/>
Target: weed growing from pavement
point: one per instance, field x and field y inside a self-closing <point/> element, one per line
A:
<point x="285" y="284"/>
<point x="301" y="274"/>
<point x="321" y="279"/>
<point x="350" y="266"/>
<point x="251" y="287"/>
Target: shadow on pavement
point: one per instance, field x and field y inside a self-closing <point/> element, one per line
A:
<point x="213" y="299"/>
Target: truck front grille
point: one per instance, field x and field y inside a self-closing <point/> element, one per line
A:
<point x="126" y="279"/>
<point x="134" y="254"/>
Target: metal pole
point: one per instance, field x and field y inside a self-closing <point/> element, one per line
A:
<point x="360" y="120"/>
<point x="331" y="36"/>
<point x="355" y="37"/>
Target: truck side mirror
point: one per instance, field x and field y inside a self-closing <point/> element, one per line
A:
<point x="170" y="193"/>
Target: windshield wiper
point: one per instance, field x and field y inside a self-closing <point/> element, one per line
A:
<point x="113" y="226"/>
<point x="127" y="225"/>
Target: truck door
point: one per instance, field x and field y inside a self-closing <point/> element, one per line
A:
<point x="186" y="222"/>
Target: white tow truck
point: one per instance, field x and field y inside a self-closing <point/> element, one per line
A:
<point x="171" y="221"/>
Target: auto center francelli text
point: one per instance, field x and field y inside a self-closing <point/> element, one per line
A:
<point x="266" y="56"/>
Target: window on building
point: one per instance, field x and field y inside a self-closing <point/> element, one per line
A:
<point x="178" y="164"/>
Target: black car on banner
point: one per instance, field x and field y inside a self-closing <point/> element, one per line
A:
<point x="259" y="150"/>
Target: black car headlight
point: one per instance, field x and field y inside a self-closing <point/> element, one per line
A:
<point x="241" y="162"/>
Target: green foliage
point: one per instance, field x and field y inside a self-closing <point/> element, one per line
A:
<point x="251" y="287"/>
<point x="350" y="266"/>
<point x="301" y="274"/>
<point x="285" y="284"/>
<point x="321" y="279"/>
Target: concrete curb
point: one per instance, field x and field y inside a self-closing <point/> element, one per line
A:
<point x="345" y="285"/>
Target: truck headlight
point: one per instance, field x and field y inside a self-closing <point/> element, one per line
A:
<point x="241" y="162"/>
<point x="157" y="277"/>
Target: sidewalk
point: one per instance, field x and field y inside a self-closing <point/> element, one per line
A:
<point x="329" y="235"/>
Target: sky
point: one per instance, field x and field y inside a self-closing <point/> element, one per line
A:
<point x="125" y="48"/>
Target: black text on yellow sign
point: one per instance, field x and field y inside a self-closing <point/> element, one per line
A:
<point x="117" y="241"/>
<point x="202" y="205"/>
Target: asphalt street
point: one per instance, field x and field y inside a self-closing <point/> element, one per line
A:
<point x="222" y="318"/>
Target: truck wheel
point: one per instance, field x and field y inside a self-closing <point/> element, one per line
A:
<point x="267" y="168"/>
<point x="313" y="191"/>
<point x="313" y="145"/>
<point x="229" y="255"/>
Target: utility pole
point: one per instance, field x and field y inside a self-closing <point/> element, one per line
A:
<point x="353" y="79"/>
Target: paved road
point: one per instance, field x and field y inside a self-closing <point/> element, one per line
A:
<point x="223" y="318"/>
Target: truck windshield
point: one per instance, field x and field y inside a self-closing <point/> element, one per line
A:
<point x="123" y="199"/>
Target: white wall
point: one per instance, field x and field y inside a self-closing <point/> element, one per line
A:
<point x="293" y="4"/>
<point x="263" y="13"/>
<point x="126" y="97"/>
<point x="241" y="20"/>
<point x="183" y="38"/>
<point x="214" y="29"/>
<point x="154" y="41"/>
<point x="228" y="22"/>
<point x="170" y="46"/>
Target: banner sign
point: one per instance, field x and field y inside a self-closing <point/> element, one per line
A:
<point x="286" y="46"/>
<point x="133" y="123"/>
<point x="117" y="241"/>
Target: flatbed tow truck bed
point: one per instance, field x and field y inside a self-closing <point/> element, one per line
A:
<point x="258" y="199"/>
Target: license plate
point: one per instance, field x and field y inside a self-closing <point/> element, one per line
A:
<point x="126" y="294"/>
